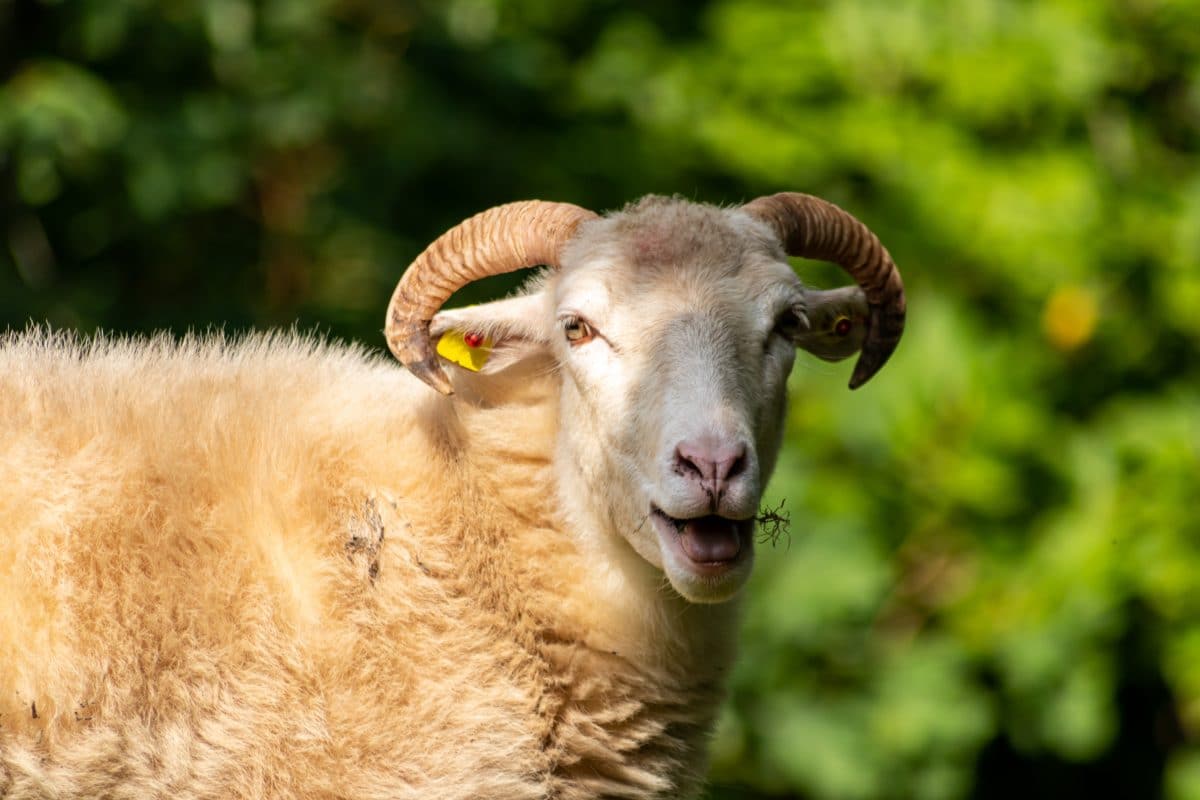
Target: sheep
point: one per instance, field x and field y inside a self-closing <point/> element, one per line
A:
<point x="280" y="567"/>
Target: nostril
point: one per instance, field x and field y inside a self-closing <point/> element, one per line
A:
<point x="737" y="466"/>
<point x="691" y="463"/>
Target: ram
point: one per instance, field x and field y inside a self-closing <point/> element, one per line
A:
<point x="278" y="567"/>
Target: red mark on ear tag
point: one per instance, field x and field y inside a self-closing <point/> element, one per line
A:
<point x="473" y="339"/>
<point x="842" y="327"/>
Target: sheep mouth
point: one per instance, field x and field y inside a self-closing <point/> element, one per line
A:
<point x="710" y="544"/>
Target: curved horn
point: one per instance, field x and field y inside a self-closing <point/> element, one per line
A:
<point x="502" y="239"/>
<point x="813" y="228"/>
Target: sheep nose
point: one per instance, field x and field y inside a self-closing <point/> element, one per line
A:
<point x="711" y="462"/>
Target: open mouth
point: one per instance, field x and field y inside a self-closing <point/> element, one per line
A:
<point x="711" y="544"/>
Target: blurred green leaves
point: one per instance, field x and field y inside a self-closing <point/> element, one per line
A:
<point x="990" y="587"/>
<point x="55" y="119"/>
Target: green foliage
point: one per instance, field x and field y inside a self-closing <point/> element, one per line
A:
<point x="992" y="582"/>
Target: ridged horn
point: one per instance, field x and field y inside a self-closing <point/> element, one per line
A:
<point x="814" y="228"/>
<point x="502" y="239"/>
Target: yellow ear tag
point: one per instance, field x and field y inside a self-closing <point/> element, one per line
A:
<point x="468" y="350"/>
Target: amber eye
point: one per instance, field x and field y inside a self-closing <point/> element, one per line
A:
<point x="842" y="326"/>
<point x="577" y="331"/>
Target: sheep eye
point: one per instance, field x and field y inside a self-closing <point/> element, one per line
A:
<point x="842" y="327"/>
<point x="577" y="331"/>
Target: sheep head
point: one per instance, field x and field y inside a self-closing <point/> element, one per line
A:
<point x="673" y="327"/>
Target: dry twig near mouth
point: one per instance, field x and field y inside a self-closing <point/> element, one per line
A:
<point x="773" y="523"/>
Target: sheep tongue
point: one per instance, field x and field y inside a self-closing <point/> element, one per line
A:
<point x="709" y="539"/>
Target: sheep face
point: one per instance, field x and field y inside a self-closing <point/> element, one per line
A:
<point x="673" y="328"/>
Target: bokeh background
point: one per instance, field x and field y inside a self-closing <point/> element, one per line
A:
<point x="991" y="588"/>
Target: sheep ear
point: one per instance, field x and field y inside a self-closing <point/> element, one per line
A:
<point x="837" y="322"/>
<point x="490" y="337"/>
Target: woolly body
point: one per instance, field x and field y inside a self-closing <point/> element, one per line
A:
<point x="220" y="583"/>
